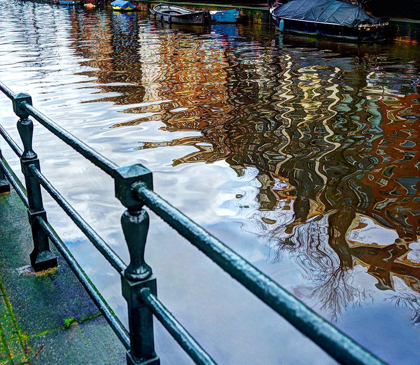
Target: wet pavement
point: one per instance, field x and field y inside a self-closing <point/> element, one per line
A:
<point x="46" y="317"/>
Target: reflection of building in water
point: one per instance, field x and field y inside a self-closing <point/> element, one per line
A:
<point x="334" y="145"/>
<point x="380" y="178"/>
<point x="111" y="45"/>
<point x="395" y="181"/>
<point x="191" y="74"/>
<point x="91" y="38"/>
<point x="181" y="80"/>
<point x="328" y="139"/>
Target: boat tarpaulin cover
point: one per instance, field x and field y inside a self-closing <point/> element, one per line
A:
<point x="123" y="4"/>
<point x="325" y="11"/>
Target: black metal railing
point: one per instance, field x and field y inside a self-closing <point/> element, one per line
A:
<point x="134" y="188"/>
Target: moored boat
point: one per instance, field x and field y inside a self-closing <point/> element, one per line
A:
<point x="67" y="2"/>
<point x="120" y="5"/>
<point x="224" y="16"/>
<point x="328" y="18"/>
<point x="178" y="15"/>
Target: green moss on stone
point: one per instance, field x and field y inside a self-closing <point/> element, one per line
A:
<point x="68" y="322"/>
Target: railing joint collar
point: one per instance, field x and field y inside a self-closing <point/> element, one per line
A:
<point x="126" y="178"/>
<point x="19" y="104"/>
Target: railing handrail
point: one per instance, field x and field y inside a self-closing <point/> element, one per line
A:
<point x="133" y="186"/>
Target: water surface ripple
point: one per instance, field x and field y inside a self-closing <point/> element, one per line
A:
<point x="300" y="154"/>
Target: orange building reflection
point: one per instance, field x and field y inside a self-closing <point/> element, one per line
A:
<point x="331" y="142"/>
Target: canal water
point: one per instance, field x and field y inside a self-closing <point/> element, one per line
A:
<point x="300" y="154"/>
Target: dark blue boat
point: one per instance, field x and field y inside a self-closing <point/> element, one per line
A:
<point x="328" y="18"/>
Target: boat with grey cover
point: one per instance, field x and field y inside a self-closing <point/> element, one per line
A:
<point x="328" y="18"/>
<point x="178" y="15"/>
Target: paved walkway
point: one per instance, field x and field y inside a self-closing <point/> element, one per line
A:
<point x="45" y="318"/>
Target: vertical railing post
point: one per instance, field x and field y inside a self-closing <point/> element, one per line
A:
<point x="138" y="275"/>
<point x="41" y="256"/>
<point x="4" y="184"/>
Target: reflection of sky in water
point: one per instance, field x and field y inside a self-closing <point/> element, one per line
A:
<point x="278" y="150"/>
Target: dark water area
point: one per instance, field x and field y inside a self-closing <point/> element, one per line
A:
<point x="299" y="153"/>
<point x="409" y="9"/>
